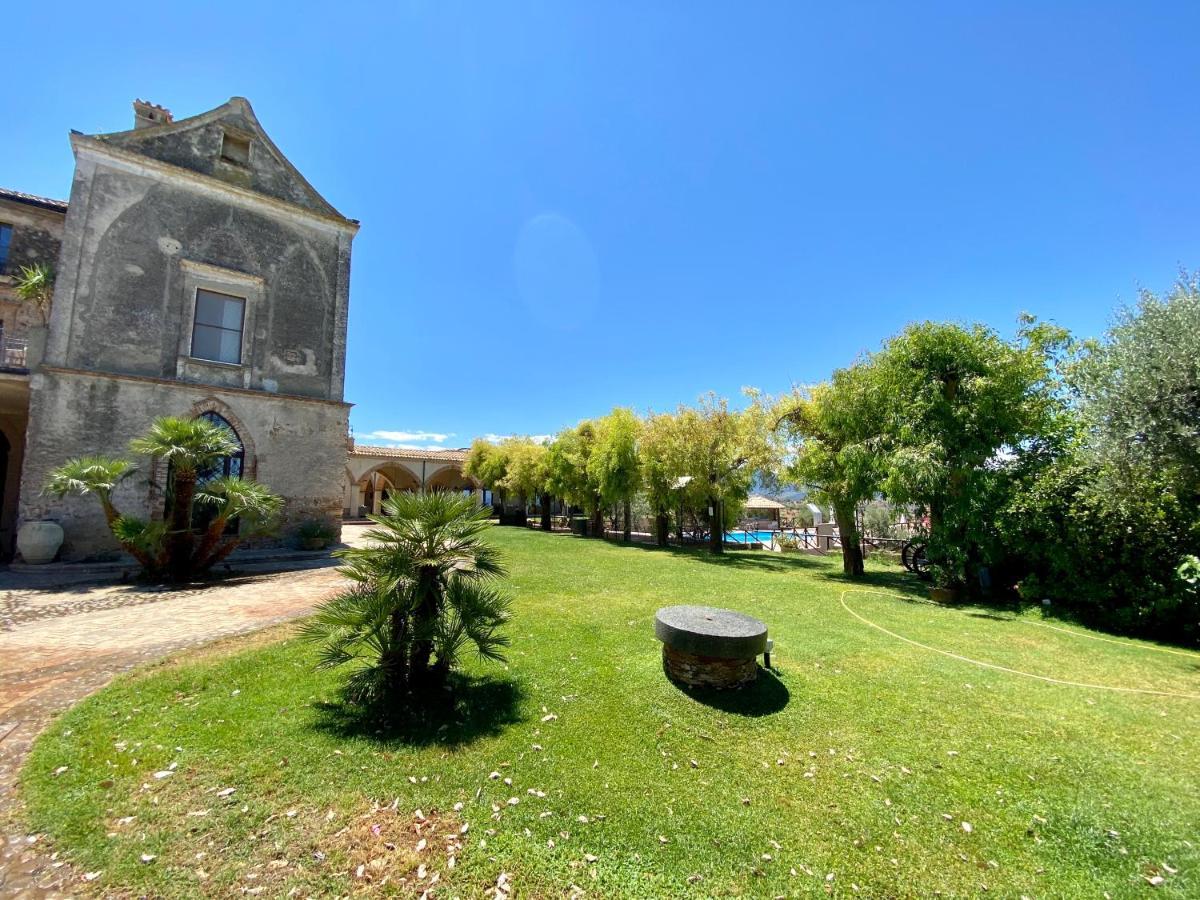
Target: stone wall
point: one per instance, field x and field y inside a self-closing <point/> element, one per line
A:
<point x="36" y="238"/>
<point x="127" y="307"/>
<point x="295" y="447"/>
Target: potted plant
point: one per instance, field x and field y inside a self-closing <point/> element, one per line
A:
<point x="315" y="534"/>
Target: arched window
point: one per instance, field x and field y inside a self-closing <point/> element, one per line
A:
<point x="227" y="466"/>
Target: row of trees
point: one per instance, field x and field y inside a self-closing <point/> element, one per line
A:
<point x="1070" y="468"/>
<point x="700" y="460"/>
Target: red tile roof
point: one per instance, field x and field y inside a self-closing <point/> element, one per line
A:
<point x="408" y="453"/>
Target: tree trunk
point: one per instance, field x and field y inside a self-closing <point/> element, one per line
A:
<point x="546" y="523"/>
<point x="852" y="556"/>
<point x="597" y="518"/>
<point x="662" y="526"/>
<point x="428" y="589"/>
<point x="180" y="538"/>
<point x="716" y="527"/>
<point x="205" y="555"/>
<point x="628" y="521"/>
<point x="394" y="663"/>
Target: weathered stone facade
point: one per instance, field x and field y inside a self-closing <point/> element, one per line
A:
<point x="161" y="220"/>
<point x="33" y="229"/>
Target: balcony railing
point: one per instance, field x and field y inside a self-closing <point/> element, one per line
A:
<point x="14" y="353"/>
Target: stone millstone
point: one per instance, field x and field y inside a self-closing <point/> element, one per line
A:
<point x="708" y="647"/>
<point x="708" y="631"/>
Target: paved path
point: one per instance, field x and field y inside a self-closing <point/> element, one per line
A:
<point x="59" y="644"/>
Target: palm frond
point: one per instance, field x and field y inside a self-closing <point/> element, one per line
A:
<point x="82" y="475"/>
<point x="189" y="444"/>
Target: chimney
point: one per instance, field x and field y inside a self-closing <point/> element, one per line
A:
<point x="147" y="114"/>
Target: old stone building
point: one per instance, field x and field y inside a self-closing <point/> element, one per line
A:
<point x="199" y="274"/>
<point x="31" y="231"/>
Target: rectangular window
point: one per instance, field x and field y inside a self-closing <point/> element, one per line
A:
<point x="217" y="331"/>
<point x="5" y="240"/>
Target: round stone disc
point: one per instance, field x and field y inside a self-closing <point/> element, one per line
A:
<point x="709" y="631"/>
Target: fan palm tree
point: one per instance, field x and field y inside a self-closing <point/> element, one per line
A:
<point x="424" y="590"/>
<point x="187" y="446"/>
<point x="171" y="548"/>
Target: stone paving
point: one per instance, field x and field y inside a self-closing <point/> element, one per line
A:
<point x="60" y="643"/>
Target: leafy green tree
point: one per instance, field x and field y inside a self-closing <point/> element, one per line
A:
<point x="424" y="590"/>
<point x="527" y="474"/>
<point x="486" y="465"/>
<point x="569" y="475"/>
<point x="176" y="549"/>
<point x="958" y="400"/>
<point x="662" y="466"/>
<point x="722" y="450"/>
<point x="614" y="465"/>
<point x="836" y="427"/>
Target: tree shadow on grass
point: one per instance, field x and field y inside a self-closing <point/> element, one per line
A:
<point x="765" y="696"/>
<point x="470" y="709"/>
<point x="899" y="582"/>
<point x="764" y="561"/>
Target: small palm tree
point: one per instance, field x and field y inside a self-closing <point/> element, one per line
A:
<point x="187" y="446"/>
<point x="35" y="284"/>
<point x="424" y="590"/>
<point x="172" y="548"/>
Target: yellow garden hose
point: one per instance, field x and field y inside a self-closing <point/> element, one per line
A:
<point x="987" y="665"/>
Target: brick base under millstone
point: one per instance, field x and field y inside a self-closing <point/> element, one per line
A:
<point x="708" y="671"/>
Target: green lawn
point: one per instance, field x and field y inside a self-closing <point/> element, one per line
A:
<point x="870" y="764"/>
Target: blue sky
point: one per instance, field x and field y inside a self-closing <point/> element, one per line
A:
<point x="571" y="206"/>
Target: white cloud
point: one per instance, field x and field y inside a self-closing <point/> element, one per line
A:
<point x="536" y="438"/>
<point x="407" y="436"/>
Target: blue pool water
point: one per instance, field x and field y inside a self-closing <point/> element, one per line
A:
<point x="749" y="537"/>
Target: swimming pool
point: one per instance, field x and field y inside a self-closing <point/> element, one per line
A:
<point x="749" y="537"/>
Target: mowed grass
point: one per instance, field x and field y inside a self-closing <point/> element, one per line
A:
<point x="869" y="765"/>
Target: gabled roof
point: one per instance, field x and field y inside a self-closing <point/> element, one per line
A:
<point x="33" y="200"/>
<point x="194" y="143"/>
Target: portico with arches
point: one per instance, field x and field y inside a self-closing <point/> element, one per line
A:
<point x="374" y="473"/>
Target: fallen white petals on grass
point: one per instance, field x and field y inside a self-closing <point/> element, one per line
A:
<point x="165" y="773"/>
<point x="226" y="792"/>
<point x="91" y="876"/>
<point x="148" y="857"/>
<point x="60" y="770"/>
<point x="967" y="827"/>
<point x="549" y="717"/>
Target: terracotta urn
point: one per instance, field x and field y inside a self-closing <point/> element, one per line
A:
<point x="38" y="542"/>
